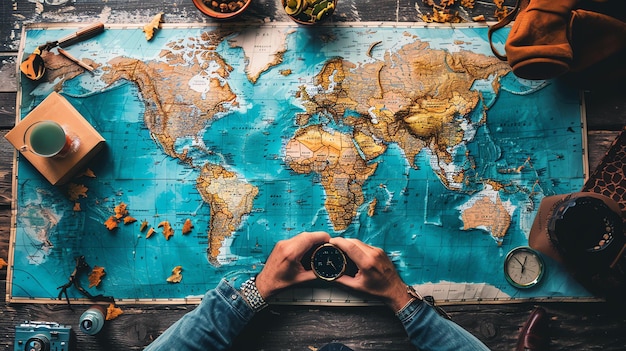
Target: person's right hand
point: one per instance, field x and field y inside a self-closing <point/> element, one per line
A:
<point x="284" y="265"/>
<point x="376" y="276"/>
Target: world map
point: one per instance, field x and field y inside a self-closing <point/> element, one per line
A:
<point x="223" y="140"/>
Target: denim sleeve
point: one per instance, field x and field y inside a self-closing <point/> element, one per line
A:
<point x="213" y="325"/>
<point x="428" y="331"/>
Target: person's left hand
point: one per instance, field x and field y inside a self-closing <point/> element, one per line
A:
<point x="284" y="267"/>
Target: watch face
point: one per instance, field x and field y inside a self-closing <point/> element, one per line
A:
<point x="328" y="262"/>
<point x="523" y="267"/>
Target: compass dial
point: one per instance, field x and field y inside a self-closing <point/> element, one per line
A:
<point x="523" y="267"/>
<point x="328" y="262"/>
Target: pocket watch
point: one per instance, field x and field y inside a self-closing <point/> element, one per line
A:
<point x="523" y="267"/>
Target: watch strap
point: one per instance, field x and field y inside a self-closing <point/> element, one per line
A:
<point x="428" y="299"/>
<point x="252" y="296"/>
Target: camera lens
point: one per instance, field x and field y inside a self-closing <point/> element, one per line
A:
<point x="37" y="343"/>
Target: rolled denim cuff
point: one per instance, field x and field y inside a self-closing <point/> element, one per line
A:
<point x="409" y="311"/>
<point x="233" y="297"/>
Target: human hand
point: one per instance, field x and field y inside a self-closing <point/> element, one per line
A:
<point x="376" y="275"/>
<point x="284" y="267"/>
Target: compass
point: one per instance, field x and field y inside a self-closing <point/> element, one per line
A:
<point x="523" y="267"/>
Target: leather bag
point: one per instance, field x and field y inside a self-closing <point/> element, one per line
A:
<point x="583" y="40"/>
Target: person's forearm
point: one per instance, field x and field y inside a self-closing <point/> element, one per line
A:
<point x="428" y="331"/>
<point x="213" y="325"/>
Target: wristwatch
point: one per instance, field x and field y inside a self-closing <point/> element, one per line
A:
<point x="252" y="296"/>
<point x="328" y="262"/>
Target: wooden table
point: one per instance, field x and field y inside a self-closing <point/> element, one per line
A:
<point x="575" y="326"/>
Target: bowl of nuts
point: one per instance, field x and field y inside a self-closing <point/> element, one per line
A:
<point x="309" y="11"/>
<point x="222" y="9"/>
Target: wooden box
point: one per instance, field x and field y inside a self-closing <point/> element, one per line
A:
<point x="58" y="170"/>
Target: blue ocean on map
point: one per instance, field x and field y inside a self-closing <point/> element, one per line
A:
<point x="417" y="219"/>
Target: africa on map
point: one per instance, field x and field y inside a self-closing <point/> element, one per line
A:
<point x="223" y="140"/>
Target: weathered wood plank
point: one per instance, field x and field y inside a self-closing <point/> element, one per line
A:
<point x="6" y="170"/>
<point x="28" y="11"/>
<point x="573" y="326"/>
<point x="8" y="73"/>
<point x="598" y="142"/>
<point x="606" y="108"/>
<point x="7" y="110"/>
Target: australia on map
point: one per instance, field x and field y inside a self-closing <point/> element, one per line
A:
<point x="223" y="140"/>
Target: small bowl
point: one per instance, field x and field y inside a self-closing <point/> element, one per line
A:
<point x="222" y="9"/>
<point x="309" y="11"/>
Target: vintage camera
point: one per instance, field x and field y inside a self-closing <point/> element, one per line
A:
<point x="42" y="336"/>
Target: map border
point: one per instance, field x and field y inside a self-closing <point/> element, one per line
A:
<point x="307" y="293"/>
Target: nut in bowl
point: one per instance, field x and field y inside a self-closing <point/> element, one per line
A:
<point x="309" y="11"/>
<point x="222" y="9"/>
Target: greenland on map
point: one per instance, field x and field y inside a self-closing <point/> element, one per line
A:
<point x="222" y="140"/>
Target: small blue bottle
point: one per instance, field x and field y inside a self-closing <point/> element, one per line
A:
<point x="92" y="320"/>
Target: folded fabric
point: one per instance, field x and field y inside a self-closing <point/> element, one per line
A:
<point x="551" y="38"/>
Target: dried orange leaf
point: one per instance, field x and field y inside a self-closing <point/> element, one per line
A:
<point x="447" y="3"/>
<point x="89" y="173"/>
<point x="113" y="312"/>
<point x="149" y="233"/>
<point x="111" y="223"/>
<point x="187" y="226"/>
<point x="153" y="25"/>
<point x="76" y="207"/>
<point x="168" y="231"/>
<point x="120" y="210"/>
<point x="3" y="263"/>
<point x="176" y="276"/>
<point x="129" y="220"/>
<point x="144" y="225"/>
<point x="76" y="191"/>
<point x="95" y="277"/>
<point x="468" y="3"/>
<point x="442" y="16"/>
<point x="479" y="18"/>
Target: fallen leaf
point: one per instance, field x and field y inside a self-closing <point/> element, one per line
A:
<point x="144" y="225"/>
<point x="3" y="263"/>
<point x="479" y="18"/>
<point x="168" y="231"/>
<point x="89" y="173"/>
<point x="111" y="223"/>
<point x="176" y="276"/>
<point x="149" y="233"/>
<point x="187" y="226"/>
<point x="120" y="210"/>
<point x="468" y="3"/>
<point x="95" y="277"/>
<point x="76" y="191"/>
<point x="129" y="220"/>
<point x="113" y="312"/>
<point x="76" y="207"/>
<point x="155" y="24"/>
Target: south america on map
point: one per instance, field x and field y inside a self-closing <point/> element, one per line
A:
<point x="223" y="140"/>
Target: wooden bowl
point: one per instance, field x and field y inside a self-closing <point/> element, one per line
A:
<point x="222" y="9"/>
<point x="309" y="12"/>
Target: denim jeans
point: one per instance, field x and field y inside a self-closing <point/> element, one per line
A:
<point x="223" y="314"/>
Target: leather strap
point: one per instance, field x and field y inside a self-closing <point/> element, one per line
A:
<point x="519" y="5"/>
